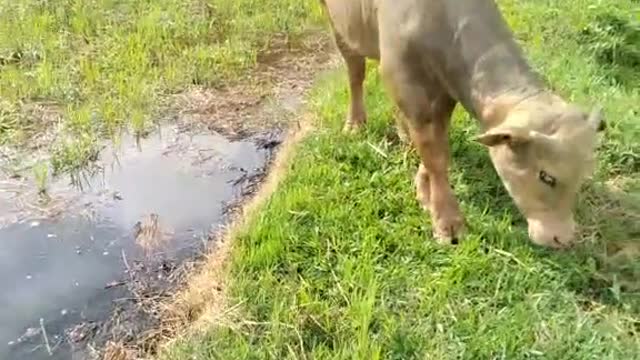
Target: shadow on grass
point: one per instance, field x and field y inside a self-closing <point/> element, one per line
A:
<point x="604" y="267"/>
<point x="610" y="217"/>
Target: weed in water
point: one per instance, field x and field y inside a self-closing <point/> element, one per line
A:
<point x="41" y="175"/>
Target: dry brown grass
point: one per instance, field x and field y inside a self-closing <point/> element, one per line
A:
<point x="117" y="351"/>
<point x="267" y="97"/>
<point x="150" y="234"/>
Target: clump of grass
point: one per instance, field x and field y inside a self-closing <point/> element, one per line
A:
<point x="614" y="42"/>
<point x="117" y="60"/>
<point x="8" y="122"/>
<point x="612" y="39"/>
<point x="340" y="263"/>
<point x="74" y="155"/>
<point x="41" y="176"/>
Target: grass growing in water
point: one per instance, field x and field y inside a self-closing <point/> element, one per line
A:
<point x="41" y="174"/>
<point x="99" y="66"/>
<point x="340" y="264"/>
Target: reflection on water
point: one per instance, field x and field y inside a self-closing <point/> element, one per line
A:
<point x="56" y="268"/>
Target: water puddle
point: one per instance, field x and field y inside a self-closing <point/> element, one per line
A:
<point x="62" y="263"/>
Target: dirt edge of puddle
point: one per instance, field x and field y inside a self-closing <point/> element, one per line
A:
<point x="191" y="293"/>
<point x="201" y="300"/>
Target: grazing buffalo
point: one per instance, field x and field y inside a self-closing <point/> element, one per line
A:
<point x="434" y="54"/>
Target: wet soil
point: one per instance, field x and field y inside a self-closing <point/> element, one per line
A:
<point x="90" y="262"/>
<point x="73" y="261"/>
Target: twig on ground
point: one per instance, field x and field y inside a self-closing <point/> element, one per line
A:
<point x="44" y="335"/>
<point x="126" y="264"/>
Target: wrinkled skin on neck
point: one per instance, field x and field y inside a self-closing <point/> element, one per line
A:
<point x="543" y="153"/>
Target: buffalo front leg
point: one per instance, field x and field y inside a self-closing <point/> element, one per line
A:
<point x="427" y="111"/>
<point x="432" y="181"/>
<point x="356" y="68"/>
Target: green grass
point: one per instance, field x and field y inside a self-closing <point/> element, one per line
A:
<point x="340" y="264"/>
<point x="105" y="65"/>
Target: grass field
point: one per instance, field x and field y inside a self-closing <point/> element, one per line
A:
<point x="88" y="69"/>
<point x="339" y="264"/>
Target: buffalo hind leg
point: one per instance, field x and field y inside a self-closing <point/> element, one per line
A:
<point x="356" y="68"/>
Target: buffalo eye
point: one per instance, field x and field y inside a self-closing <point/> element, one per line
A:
<point x="546" y="178"/>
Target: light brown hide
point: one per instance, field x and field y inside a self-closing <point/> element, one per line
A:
<point x="434" y="54"/>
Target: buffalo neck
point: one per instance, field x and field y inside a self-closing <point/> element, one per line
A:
<point x="487" y="69"/>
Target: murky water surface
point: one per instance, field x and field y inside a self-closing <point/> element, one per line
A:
<point x="58" y="260"/>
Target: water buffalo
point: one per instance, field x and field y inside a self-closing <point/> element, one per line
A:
<point x="434" y="54"/>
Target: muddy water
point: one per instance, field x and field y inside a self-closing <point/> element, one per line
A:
<point x="61" y="261"/>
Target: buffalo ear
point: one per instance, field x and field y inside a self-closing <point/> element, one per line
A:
<point x="596" y="119"/>
<point x="503" y="135"/>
